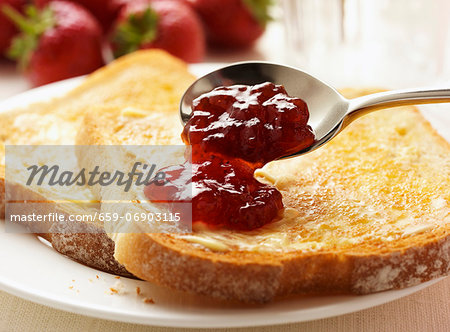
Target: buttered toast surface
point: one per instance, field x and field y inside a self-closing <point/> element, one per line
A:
<point x="367" y="212"/>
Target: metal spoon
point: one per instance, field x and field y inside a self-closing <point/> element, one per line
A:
<point x="329" y="111"/>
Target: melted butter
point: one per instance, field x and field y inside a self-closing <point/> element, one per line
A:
<point x="133" y="112"/>
<point x="207" y="242"/>
<point x="271" y="237"/>
<point x="416" y="229"/>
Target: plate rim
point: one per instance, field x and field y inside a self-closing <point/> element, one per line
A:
<point x="94" y="311"/>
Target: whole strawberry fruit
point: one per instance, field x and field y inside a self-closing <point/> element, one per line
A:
<point x="105" y="11"/>
<point x="169" y="25"/>
<point x="60" y="41"/>
<point x="232" y="23"/>
<point x="7" y="28"/>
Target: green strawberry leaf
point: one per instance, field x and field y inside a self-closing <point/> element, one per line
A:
<point x="137" y="30"/>
<point x="21" y="49"/>
<point x="260" y="10"/>
<point x="32" y="26"/>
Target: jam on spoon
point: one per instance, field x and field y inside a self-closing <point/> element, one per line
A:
<point x="257" y="123"/>
<point x="232" y="131"/>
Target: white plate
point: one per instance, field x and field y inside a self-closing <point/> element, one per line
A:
<point x="34" y="271"/>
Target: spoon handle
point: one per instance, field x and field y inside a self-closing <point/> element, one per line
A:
<point x="394" y="98"/>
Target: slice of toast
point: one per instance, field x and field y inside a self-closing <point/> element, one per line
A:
<point x="136" y="136"/>
<point x="150" y="80"/>
<point x="365" y="213"/>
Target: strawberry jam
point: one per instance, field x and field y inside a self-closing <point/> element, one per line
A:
<point x="232" y="131"/>
<point x="257" y="123"/>
<point x="224" y="193"/>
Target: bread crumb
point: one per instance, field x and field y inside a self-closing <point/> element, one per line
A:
<point x="97" y="276"/>
<point x="70" y="287"/>
<point x="117" y="277"/>
<point x="73" y="280"/>
<point x="148" y="300"/>
<point x="138" y="290"/>
<point x="118" y="288"/>
<point x="90" y="280"/>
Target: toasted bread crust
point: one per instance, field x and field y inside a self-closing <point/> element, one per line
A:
<point x="2" y="198"/>
<point x="165" y="261"/>
<point x="253" y="277"/>
<point x="92" y="249"/>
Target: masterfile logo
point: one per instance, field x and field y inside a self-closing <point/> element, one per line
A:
<point x="90" y="189"/>
<point x="54" y="176"/>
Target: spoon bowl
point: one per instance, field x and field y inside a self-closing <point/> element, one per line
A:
<point x="329" y="111"/>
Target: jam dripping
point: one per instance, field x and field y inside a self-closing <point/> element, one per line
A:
<point x="232" y="131"/>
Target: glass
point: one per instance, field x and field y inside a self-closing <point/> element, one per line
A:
<point x="390" y="43"/>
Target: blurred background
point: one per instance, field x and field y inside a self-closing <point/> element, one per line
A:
<point x="384" y="43"/>
<point x="357" y="42"/>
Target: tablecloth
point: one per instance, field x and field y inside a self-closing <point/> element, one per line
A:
<point x="426" y="310"/>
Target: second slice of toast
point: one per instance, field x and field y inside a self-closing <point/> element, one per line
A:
<point x="151" y="80"/>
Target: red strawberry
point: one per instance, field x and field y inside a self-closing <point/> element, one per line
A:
<point x="232" y="23"/>
<point x="62" y="40"/>
<point x="7" y="28"/>
<point x="105" y="11"/>
<point x="170" y="25"/>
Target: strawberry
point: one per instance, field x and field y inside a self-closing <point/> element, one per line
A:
<point x="105" y="11"/>
<point x="60" y="41"/>
<point x="7" y="28"/>
<point x="169" y="25"/>
<point x="232" y="24"/>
